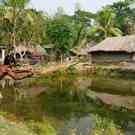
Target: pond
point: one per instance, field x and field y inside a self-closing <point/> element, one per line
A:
<point x="72" y="105"/>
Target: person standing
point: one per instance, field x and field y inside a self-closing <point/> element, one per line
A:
<point x="9" y="59"/>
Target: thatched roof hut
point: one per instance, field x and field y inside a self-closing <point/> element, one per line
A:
<point x="28" y="53"/>
<point x="114" y="49"/>
<point x="125" y="44"/>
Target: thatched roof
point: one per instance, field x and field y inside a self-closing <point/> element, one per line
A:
<point x="40" y="50"/>
<point x="82" y="50"/>
<point x="21" y="48"/>
<point x="49" y="46"/>
<point x="79" y="51"/>
<point x="116" y="44"/>
<point x="34" y="49"/>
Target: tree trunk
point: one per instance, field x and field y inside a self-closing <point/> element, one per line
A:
<point x="13" y="35"/>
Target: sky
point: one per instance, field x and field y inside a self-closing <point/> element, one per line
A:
<point x="50" y="6"/>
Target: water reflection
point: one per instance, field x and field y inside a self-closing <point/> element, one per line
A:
<point x="7" y="81"/>
<point x="78" y="126"/>
<point x="70" y="103"/>
<point x="113" y="86"/>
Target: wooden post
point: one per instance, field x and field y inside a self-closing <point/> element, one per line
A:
<point x="3" y="55"/>
<point x="133" y="57"/>
<point x="61" y="59"/>
<point x="90" y="58"/>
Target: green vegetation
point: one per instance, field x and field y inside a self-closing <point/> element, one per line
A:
<point x="63" y="95"/>
<point x="106" y="126"/>
<point x="20" y="25"/>
<point x="41" y="128"/>
<point x="105" y="25"/>
<point x="27" y="26"/>
<point x="61" y="35"/>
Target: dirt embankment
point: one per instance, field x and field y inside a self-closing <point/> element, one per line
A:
<point x="123" y="69"/>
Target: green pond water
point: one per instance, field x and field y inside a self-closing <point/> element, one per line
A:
<point x="72" y="105"/>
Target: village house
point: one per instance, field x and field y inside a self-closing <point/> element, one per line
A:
<point x="35" y="53"/>
<point x="23" y="53"/>
<point x="114" y="49"/>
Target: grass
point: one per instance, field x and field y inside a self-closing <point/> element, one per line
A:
<point x="105" y="126"/>
<point x="43" y="128"/>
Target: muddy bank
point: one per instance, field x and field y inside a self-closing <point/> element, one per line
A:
<point x="120" y="71"/>
<point x="127" y="102"/>
<point x="127" y="71"/>
<point x="111" y="71"/>
<point x="44" y="73"/>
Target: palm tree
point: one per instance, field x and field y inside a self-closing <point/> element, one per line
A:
<point x="83" y="23"/>
<point x="104" y="25"/>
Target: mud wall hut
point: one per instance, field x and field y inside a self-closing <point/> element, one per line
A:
<point x="114" y="49"/>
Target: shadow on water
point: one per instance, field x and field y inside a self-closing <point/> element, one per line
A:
<point x="70" y="104"/>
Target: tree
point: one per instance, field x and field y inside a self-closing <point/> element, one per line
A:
<point x="61" y="35"/>
<point x="104" y="25"/>
<point x="4" y="26"/>
<point x="60" y="12"/>
<point x="125" y="15"/>
<point x="83" y="21"/>
<point x="32" y="29"/>
<point x="77" y="6"/>
<point x="22" y="25"/>
<point x="14" y="9"/>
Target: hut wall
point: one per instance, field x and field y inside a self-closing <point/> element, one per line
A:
<point x="100" y="57"/>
